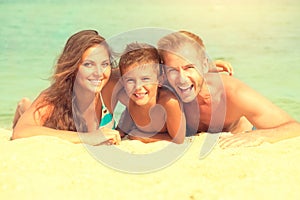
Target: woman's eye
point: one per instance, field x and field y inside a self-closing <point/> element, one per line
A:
<point x="106" y="64"/>
<point x="87" y="64"/>
<point x="146" y="79"/>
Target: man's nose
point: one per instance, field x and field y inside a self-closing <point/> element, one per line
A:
<point x="182" y="76"/>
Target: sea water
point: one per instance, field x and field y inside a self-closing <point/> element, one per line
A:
<point x="260" y="38"/>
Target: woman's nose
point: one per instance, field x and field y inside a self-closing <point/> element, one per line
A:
<point x="99" y="70"/>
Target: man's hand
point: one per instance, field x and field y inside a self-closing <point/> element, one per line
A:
<point x="245" y="139"/>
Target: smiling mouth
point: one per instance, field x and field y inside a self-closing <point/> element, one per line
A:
<point x="95" y="82"/>
<point x="140" y="95"/>
<point x="186" y="88"/>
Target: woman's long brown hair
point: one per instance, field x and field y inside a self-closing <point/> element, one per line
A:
<point x="59" y="94"/>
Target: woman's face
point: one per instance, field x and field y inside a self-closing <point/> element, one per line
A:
<point x="94" y="70"/>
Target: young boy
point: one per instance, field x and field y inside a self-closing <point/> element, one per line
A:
<point x="152" y="112"/>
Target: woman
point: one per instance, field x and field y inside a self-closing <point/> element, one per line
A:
<point x="80" y="87"/>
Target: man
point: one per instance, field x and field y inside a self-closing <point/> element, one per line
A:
<point x="214" y="102"/>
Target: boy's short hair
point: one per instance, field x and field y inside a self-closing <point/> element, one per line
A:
<point x="140" y="53"/>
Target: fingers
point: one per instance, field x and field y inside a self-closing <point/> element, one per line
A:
<point x="108" y="142"/>
<point x="112" y="136"/>
<point x="223" y="66"/>
<point x="240" y="141"/>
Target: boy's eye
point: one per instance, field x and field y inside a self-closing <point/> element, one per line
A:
<point x="129" y="80"/>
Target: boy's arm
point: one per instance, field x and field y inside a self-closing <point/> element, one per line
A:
<point x="125" y="124"/>
<point x="136" y="134"/>
<point x="175" y="122"/>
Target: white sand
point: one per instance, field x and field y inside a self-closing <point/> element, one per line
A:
<point x="49" y="168"/>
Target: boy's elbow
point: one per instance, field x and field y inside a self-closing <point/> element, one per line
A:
<point x="178" y="140"/>
<point x="15" y="135"/>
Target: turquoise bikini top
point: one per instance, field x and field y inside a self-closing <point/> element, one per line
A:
<point x="107" y="119"/>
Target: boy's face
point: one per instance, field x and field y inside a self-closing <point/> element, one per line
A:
<point x="140" y="83"/>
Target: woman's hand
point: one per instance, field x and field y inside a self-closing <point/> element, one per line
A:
<point x="112" y="136"/>
<point x="223" y="66"/>
<point x="101" y="136"/>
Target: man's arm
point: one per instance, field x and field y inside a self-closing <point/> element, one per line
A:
<point x="272" y="123"/>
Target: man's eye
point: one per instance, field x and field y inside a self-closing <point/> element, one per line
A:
<point x="171" y="70"/>
<point x="189" y="66"/>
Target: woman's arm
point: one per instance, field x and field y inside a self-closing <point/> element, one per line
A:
<point x="223" y="66"/>
<point x="31" y="124"/>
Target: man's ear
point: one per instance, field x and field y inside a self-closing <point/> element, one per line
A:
<point x="162" y="80"/>
<point x="121" y="81"/>
<point x="205" y="65"/>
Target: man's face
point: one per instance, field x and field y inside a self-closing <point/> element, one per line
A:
<point x="183" y="75"/>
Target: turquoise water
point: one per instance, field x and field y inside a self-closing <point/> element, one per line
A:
<point x="260" y="38"/>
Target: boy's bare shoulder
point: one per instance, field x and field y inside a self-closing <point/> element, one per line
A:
<point x="166" y="96"/>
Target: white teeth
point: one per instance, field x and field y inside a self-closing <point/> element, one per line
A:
<point x="139" y="95"/>
<point x="96" y="82"/>
<point x="185" y="88"/>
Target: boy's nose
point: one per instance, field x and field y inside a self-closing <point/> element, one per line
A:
<point x="138" y="84"/>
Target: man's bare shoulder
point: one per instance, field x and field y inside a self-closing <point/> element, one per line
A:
<point x="230" y="81"/>
<point x="233" y="86"/>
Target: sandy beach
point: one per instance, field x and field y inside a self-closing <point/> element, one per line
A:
<point x="45" y="167"/>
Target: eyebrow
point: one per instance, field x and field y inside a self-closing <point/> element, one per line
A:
<point x="107" y="60"/>
<point x="126" y="77"/>
<point x="88" y="60"/>
<point x="190" y="64"/>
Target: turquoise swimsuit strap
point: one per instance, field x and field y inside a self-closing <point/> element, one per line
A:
<point x="106" y="118"/>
